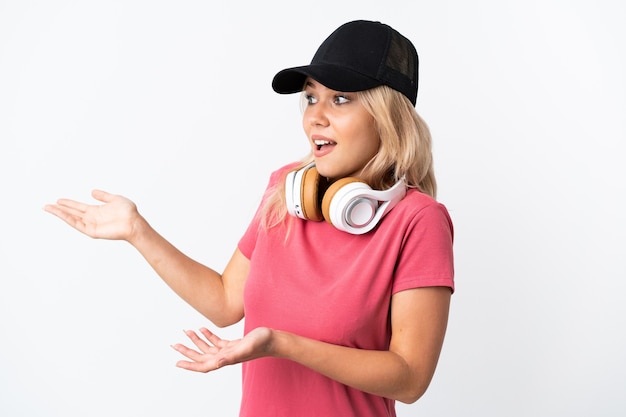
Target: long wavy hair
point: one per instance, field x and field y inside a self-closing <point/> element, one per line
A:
<point x="405" y="151"/>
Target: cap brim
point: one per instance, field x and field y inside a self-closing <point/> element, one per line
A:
<point x="291" y="80"/>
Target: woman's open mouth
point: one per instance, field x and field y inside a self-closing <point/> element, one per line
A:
<point x="321" y="143"/>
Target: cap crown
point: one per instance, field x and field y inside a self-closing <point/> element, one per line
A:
<point x="375" y="50"/>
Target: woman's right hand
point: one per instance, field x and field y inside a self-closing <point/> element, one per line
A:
<point x="116" y="219"/>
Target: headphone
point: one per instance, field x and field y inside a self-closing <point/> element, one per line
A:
<point x="348" y="204"/>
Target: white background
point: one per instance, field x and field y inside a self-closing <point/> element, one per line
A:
<point x="170" y="104"/>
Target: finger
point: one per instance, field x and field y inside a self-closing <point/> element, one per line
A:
<point x="213" y="338"/>
<point x="201" y="344"/>
<point x="188" y="352"/>
<point x="67" y="204"/>
<point x="69" y="216"/>
<point x="197" y="366"/>
<point x="55" y="209"/>
<point x="101" y="195"/>
<point x="198" y="362"/>
<point x="71" y="211"/>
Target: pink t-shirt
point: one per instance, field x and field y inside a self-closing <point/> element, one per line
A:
<point x="332" y="286"/>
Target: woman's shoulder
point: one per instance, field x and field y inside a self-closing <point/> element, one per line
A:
<point x="419" y="200"/>
<point x="417" y="204"/>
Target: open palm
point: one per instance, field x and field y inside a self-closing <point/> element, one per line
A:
<point x="112" y="220"/>
<point x="215" y="352"/>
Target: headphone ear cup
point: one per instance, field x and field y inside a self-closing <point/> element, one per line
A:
<point x="332" y="192"/>
<point x="309" y="195"/>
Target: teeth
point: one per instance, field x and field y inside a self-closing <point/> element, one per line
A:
<point x="322" y="142"/>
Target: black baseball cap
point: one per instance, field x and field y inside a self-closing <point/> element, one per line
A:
<point x="357" y="56"/>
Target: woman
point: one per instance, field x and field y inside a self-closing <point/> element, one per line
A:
<point x="343" y="316"/>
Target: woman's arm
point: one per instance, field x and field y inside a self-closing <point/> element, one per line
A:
<point x="419" y="319"/>
<point x="218" y="297"/>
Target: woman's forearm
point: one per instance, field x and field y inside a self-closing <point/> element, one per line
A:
<point x="418" y="321"/>
<point x="200" y="286"/>
<point x="382" y="373"/>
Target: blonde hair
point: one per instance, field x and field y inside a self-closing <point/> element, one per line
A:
<point x="405" y="151"/>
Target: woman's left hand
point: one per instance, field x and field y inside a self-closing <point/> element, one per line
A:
<point x="215" y="352"/>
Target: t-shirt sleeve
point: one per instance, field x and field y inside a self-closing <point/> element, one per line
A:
<point x="247" y="242"/>
<point x="426" y="259"/>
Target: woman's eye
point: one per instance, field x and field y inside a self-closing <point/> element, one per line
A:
<point x="341" y="99"/>
<point x="310" y="99"/>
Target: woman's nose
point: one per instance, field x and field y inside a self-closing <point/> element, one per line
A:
<point x="316" y="115"/>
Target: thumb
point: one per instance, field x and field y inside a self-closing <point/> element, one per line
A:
<point x="102" y="196"/>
